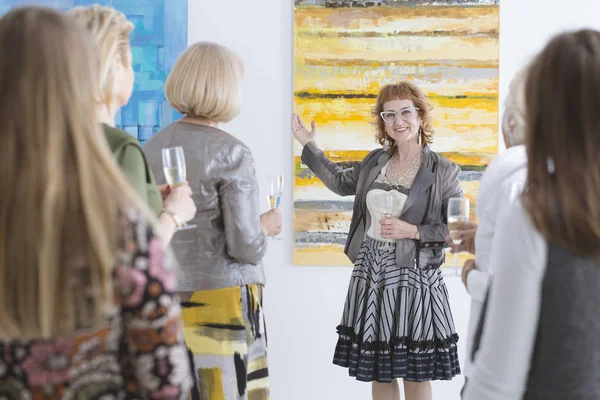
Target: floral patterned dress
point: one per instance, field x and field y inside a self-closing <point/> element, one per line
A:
<point x="138" y="352"/>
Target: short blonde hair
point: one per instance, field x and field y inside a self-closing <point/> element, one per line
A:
<point x="110" y="31"/>
<point x="515" y="109"/>
<point x="403" y="91"/>
<point x="206" y="82"/>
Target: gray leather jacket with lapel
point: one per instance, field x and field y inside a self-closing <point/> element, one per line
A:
<point x="426" y="205"/>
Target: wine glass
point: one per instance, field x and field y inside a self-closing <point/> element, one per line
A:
<point x="274" y="193"/>
<point x="387" y="208"/>
<point x="458" y="215"/>
<point x="175" y="173"/>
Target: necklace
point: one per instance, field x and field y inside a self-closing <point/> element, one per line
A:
<point x="396" y="175"/>
<point x="200" y="121"/>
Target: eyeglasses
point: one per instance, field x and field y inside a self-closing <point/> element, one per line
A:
<point x="405" y="114"/>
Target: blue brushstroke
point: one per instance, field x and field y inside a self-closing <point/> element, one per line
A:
<point x="160" y="35"/>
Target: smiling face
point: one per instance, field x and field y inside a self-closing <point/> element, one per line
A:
<point x="405" y="126"/>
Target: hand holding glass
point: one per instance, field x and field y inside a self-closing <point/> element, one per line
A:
<point x="458" y="214"/>
<point x="274" y="193"/>
<point x="387" y="208"/>
<point x="175" y="173"/>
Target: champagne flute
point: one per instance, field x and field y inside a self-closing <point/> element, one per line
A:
<point x="387" y="208"/>
<point x="274" y="193"/>
<point x="174" y="170"/>
<point x="458" y="215"/>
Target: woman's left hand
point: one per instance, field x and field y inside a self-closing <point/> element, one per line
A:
<point x="394" y="229"/>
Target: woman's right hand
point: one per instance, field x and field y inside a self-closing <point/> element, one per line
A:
<point x="270" y="222"/>
<point x="300" y="132"/>
<point x="180" y="202"/>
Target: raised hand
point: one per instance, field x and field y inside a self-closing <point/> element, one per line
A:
<point x="300" y="132"/>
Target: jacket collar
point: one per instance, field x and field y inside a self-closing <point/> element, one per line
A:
<point x="423" y="181"/>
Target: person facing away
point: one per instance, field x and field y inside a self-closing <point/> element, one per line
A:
<point x="397" y="322"/>
<point x="109" y="29"/>
<point x="88" y="302"/>
<point x="501" y="185"/>
<point x="539" y="332"/>
<point x="221" y="276"/>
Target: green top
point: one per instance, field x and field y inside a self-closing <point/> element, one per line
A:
<point x="130" y="157"/>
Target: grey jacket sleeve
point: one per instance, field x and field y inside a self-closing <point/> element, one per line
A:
<point x="437" y="233"/>
<point x="340" y="181"/>
<point x="239" y="196"/>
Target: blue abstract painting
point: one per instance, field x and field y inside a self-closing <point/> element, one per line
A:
<point x="160" y="35"/>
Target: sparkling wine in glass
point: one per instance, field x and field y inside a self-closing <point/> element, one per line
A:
<point x="274" y="193"/>
<point x="458" y="215"/>
<point x="387" y="208"/>
<point x="174" y="169"/>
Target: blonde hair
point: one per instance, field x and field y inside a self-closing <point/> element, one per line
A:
<point x="515" y="109"/>
<point x="61" y="191"/>
<point x="402" y="91"/>
<point x="110" y="31"/>
<point x="206" y="82"/>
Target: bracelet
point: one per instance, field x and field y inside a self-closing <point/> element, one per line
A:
<point x="417" y="236"/>
<point x="173" y="217"/>
<point x="465" y="274"/>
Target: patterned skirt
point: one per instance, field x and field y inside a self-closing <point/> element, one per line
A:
<point x="225" y="334"/>
<point x="397" y="321"/>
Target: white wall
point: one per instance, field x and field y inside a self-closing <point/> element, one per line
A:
<point x="304" y="304"/>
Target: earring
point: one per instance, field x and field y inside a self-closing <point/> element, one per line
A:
<point x="420" y="135"/>
<point x="550" y="165"/>
<point x="386" y="144"/>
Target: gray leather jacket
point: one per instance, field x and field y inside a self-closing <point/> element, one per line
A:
<point x="426" y="205"/>
<point x="227" y="247"/>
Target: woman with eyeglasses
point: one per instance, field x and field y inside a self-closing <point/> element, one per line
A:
<point x="396" y="322"/>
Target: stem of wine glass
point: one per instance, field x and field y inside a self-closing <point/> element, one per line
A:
<point x="456" y="263"/>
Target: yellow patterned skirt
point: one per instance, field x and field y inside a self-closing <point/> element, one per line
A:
<point x="227" y="342"/>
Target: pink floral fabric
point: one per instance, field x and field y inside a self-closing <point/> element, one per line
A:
<point x="138" y="353"/>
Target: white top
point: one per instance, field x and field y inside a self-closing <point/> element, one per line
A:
<point x="519" y="256"/>
<point x="375" y="199"/>
<point x="374" y="205"/>
<point x="500" y="186"/>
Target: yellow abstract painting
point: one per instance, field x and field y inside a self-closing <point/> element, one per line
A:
<point x="344" y="51"/>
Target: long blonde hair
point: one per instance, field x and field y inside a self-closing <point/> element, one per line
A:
<point x="61" y="191"/>
<point x="110" y="31"/>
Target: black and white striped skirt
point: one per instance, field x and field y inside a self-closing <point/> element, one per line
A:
<point x="397" y="321"/>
